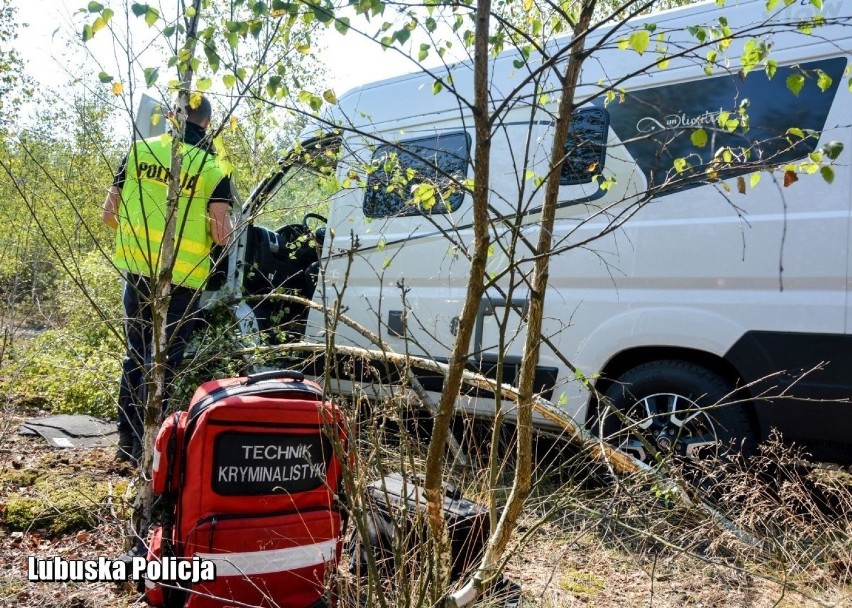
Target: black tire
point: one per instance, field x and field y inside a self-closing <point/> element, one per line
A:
<point x="678" y="409"/>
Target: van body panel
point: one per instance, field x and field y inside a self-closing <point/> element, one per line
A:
<point x="752" y="275"/>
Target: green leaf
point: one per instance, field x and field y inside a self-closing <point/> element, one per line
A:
<point x="190" y="12"/>
<point x="342" y="25"/>
<point x="437" y="87"/>
<point x="87" y="33"/>
<point x="329" y="96"/>
<point x="680" y="165"/>
<point x="827" y="174"/>
<point x="168" y="31"/>
<point x="98" y="24"/>
<point x="754" y="179"/>
<point x="824" y="81"/>
<point x="817" y="4"/>
<point x="805" y="27"/>
<point x="274" y="85"/>
<point x="424" y="52"/>
<point x="640" y="40"/>
<point x="402" y="35"/>
<point x="699" y="138"/>
<point x="833" y="149"/>
<point x="204" y="84"/>
<point x="796" y="82"/>
<point x="104" y="77"/>
<point x="95" y="7"/>
<point x="151" y="75"/>
<point x="229" y="80"/>
<point x="139" y="9"/>
<point x="212" y="58"/>
<point x="771" y="67"/>
<point x="107" y="14"/>
<point x="151" y="16"/>
<point x="623" y="44"/>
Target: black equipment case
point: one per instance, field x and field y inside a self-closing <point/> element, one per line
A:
<point x="467" y="521"/>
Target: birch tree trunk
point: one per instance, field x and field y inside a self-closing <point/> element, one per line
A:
<point x="522" y="483"/>
<point x="161" y="287"/>
<point x="436" y="455"/>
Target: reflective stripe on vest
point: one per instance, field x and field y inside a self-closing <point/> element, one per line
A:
<point x="141" y="218"/>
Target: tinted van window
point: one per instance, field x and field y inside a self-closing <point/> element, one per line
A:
<point x="433" y="165"/>
<point x="585" y="150"/>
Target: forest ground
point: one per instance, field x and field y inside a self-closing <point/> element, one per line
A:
<point x="569" y="560"/>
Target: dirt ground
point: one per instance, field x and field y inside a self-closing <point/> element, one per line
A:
<point x="566" y="563"/>
<point x="29" y="469"/>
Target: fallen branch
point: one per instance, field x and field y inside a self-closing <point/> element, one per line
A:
<point x="620" y="462"/>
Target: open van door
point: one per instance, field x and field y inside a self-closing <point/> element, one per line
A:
<point x="278" y="240"/>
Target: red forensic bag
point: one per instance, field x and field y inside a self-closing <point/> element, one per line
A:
<point x="165" y="470"/>
<point x="154" y="591"/>
<point x="253" y="474"/>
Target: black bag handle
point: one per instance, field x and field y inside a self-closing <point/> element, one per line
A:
<point x="275" y="374"/>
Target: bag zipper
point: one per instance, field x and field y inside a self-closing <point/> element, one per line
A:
<point x="215" y="518"/>
<point x="296" y="426"/>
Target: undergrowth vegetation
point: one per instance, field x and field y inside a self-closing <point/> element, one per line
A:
<point x="73" y="366"/>
<point x="781" y="533"/>
<point x="779" y="530"/>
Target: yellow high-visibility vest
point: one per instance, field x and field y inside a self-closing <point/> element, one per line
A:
<point x="142" y="216"/>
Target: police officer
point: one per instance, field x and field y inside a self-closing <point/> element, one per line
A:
<point x="136" y="208"/>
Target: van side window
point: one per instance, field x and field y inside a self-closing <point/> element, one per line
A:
<point x="420" y="175"/>
<point x="657" y="123"/>
<point x="585" y="150"/>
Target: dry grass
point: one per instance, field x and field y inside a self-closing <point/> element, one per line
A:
<point x="586" y="539"/>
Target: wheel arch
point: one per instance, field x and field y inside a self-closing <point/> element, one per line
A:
<point x="630" y="358"/>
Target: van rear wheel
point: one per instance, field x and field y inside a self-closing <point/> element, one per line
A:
<point x="674" y="408"/>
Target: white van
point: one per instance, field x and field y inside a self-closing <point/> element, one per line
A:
<point x="667" y="289"/>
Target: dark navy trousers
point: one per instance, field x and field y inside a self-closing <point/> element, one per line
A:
<point x="138" y="329"/>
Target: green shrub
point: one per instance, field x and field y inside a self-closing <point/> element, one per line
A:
<point x="210" y="355"/>
<point x="74" y="367"/>
<point x="61" y="373"/>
